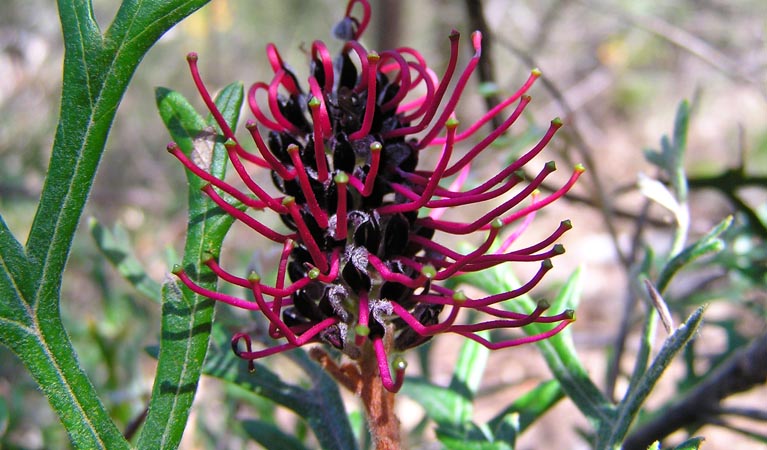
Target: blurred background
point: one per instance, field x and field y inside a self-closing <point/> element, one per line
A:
<point x="614" y="71"/>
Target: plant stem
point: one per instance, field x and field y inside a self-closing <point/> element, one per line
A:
<point x="379" y="403"/>
<point x="363" y="378"/>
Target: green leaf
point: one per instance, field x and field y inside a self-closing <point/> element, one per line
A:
<point x="466" y="380"/>
<point x="270" y="436"/>
<point x="710" y="243"/>
<point x="645" y="346"/>
<point x="530" y="406"/>
<point x="612" y="436"/>
<point x="15" y="288"/>
<point x="562" y="358"/>
<point x="115" y="246"/>
<point x="507" y="429"/>
<point x="320" y="404"/>
<point x="436" y="400"/>
<point x="97" y="70"/>
<point x="559" y="350"/>
<point x="670" y="158"/>
<point x="691" y="444"/>
<point x="186" y="319"/>
<point x="474" y="439"/>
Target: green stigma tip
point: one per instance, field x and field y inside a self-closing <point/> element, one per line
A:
<point x="230" y="142"/>
<point x="497" y="223"/>
<point x="177" y="269"/>
<point x="314" y="273"/>
<point x="376" y="146"/>
<point x="580" y="168"/>
<point x="206" y="256"/>
<point x="314" y="102"/>
<point x="459" y="297"/>
<point x="544" y="304"/>
<point x="288" y="200"/>
<point x="253" y="277"/>
<point x="362" y="330"/>
<point x="547" y="264"/>
<point x="536" y="72"/>
<point x="341" y="178"/>
<point x="429" y="271"/>
<point x="551" y="165"/>
<point x="559" y="249"/>
<point x="452" y="122"/>
<point x="399" y="363"/>
<point x="557" y="122"/>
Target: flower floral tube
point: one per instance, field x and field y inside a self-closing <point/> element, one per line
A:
<point x="364" y="261"/>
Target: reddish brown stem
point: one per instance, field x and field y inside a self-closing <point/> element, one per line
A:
<point x="363" y="378"/>
<point x="379" y="403"/>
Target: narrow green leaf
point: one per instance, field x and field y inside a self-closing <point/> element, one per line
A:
<point x="115" y="246"/>
<point x="474" y="439"/>
<point x="559" y="350"/>
<point x="710" y="243"/>
<point x="48" y="355"/>
<point x="466" y="379"/>
<point x="531" y="406"/>
<point x="438" y="401"/>
<point x="270" y="436"/>
<point x="645" y="346"/>
<point x="681" y="125"/>
<point x="629" y="407"/>
<point x="186" y="320"/>
<point x="691" y="444"/>
<point x="96" y="74"/>
<point x="358" y="424"/>
<point x="320" y="404"/>
<point x="14" y="261"/>
<point x="181" y="118"/>
<point x="507" y="429"/>
<point x="15" y="287"/>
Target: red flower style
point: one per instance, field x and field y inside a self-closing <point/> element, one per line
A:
<point x="361" y="264"/>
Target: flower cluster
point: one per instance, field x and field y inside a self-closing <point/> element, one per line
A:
<point x="360" y="265"/>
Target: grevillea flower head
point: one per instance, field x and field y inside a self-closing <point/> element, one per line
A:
<point x="360" y="264"/>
